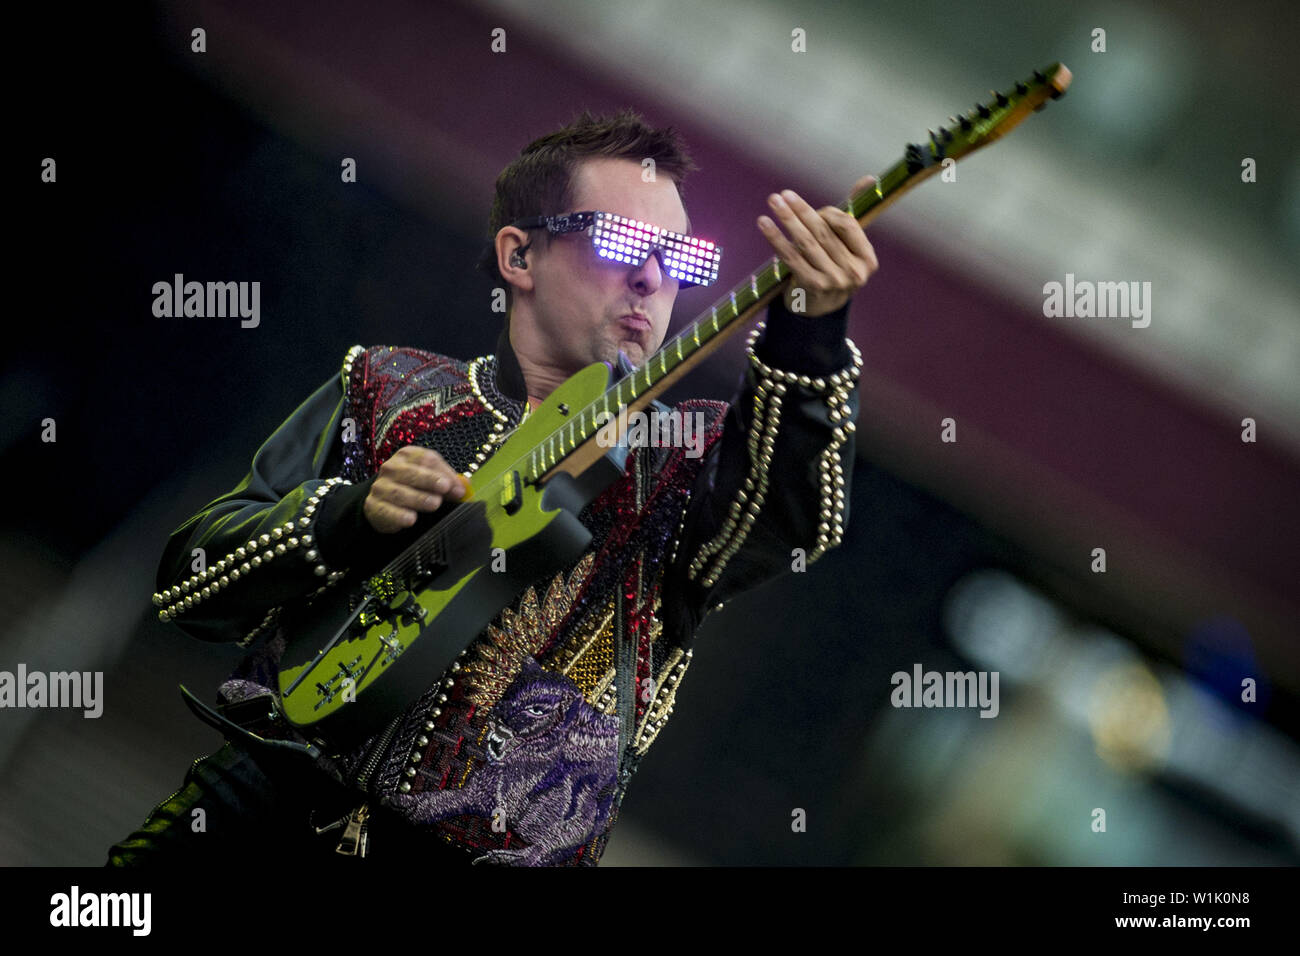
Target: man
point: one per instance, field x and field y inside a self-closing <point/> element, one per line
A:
<point x="521" y="752"/>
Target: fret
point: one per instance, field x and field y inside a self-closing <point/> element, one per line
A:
<point x="695" y="334"/>
<point x="679" y="348"/>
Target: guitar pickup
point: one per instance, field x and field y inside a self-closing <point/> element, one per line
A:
<point x="512" y="493"/>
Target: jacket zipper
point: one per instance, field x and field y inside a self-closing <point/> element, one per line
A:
<point x="355" y="839"/>
<point x="376" y="755"/>
<point x="167" y="800"/>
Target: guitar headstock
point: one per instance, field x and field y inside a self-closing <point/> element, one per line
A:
<point x="986" y="123"/>
<point x="992" y="120"/>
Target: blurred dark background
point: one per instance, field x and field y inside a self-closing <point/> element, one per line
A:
<point x="1120" y="690"/>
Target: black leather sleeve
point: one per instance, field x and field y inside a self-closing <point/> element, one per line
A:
<point x="277" y="536"/>
<point x="772" y="494"/>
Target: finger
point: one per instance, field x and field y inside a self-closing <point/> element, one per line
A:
<point x="440" y="479"/>
<point x="862" y="184"/>
<point x="457" y="486"/>
<point x="848" y="246"/>
<point x="807" y="231"/>
<point x="387" y="518"/>
<point x="422" y="458"/>
<point x="854" y="240"/>
<point x="782" y="247"/>
<point x="405" y="496"/>
<point x="810" y="275"/>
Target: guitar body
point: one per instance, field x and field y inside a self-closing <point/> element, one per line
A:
<point x="337" y="676"/>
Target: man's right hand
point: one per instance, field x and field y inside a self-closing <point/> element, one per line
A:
<point x="413" y="480"/>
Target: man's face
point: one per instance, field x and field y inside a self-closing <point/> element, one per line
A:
<point x="588" y="308"/>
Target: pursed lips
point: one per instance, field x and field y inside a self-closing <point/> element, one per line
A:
<point x="634" y="322"/>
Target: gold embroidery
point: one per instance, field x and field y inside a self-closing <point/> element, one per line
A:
<point x="589" y="652"/>
<point x="656" y="715"/>
<point x="605" y="694"/>
<point x="520" y="632"/>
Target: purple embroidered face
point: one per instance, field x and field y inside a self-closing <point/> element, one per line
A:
<point x="545" y="718"/>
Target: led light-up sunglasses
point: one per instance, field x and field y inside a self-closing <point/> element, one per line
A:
<point x="689" y="260"/>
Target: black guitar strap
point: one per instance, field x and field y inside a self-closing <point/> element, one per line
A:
<point x="624" y="677"/>
<point x="625" y="658"/>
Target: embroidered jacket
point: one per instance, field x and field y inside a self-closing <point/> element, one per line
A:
<point x="530" y="725"/>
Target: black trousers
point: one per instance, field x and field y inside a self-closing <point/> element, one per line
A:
<point x="233" y="809"/>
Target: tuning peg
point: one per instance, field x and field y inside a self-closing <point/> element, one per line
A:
<point x="915" y="157"/>
<point x="1001" y="99"/>
<point x="983" y="111"/>
<point x="965" y="124"/>
<point x="1021" y="89"/>
<point x="1038" y="77"/>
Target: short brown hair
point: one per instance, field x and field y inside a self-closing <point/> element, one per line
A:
<point x="539" y="181"/>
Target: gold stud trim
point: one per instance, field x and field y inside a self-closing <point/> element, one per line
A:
<point x="770" y="385"/>
<point x="349" y="360"/>
<point x="502" y="428"/>
<point x="661" y="708"/>
<point x="293" y="535"/>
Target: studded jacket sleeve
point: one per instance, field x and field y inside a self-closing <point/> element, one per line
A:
<point x="772" y="495"/>
<point x="275" y="537"/>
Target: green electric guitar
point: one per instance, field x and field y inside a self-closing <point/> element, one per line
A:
<point x="368" y="647"/>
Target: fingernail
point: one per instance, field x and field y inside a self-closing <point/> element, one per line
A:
<point x="789" y="194"/>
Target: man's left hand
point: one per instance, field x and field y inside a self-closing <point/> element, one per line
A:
<point x="826" y="250"/>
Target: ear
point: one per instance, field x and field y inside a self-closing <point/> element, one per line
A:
<point x="510" y="240"/>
